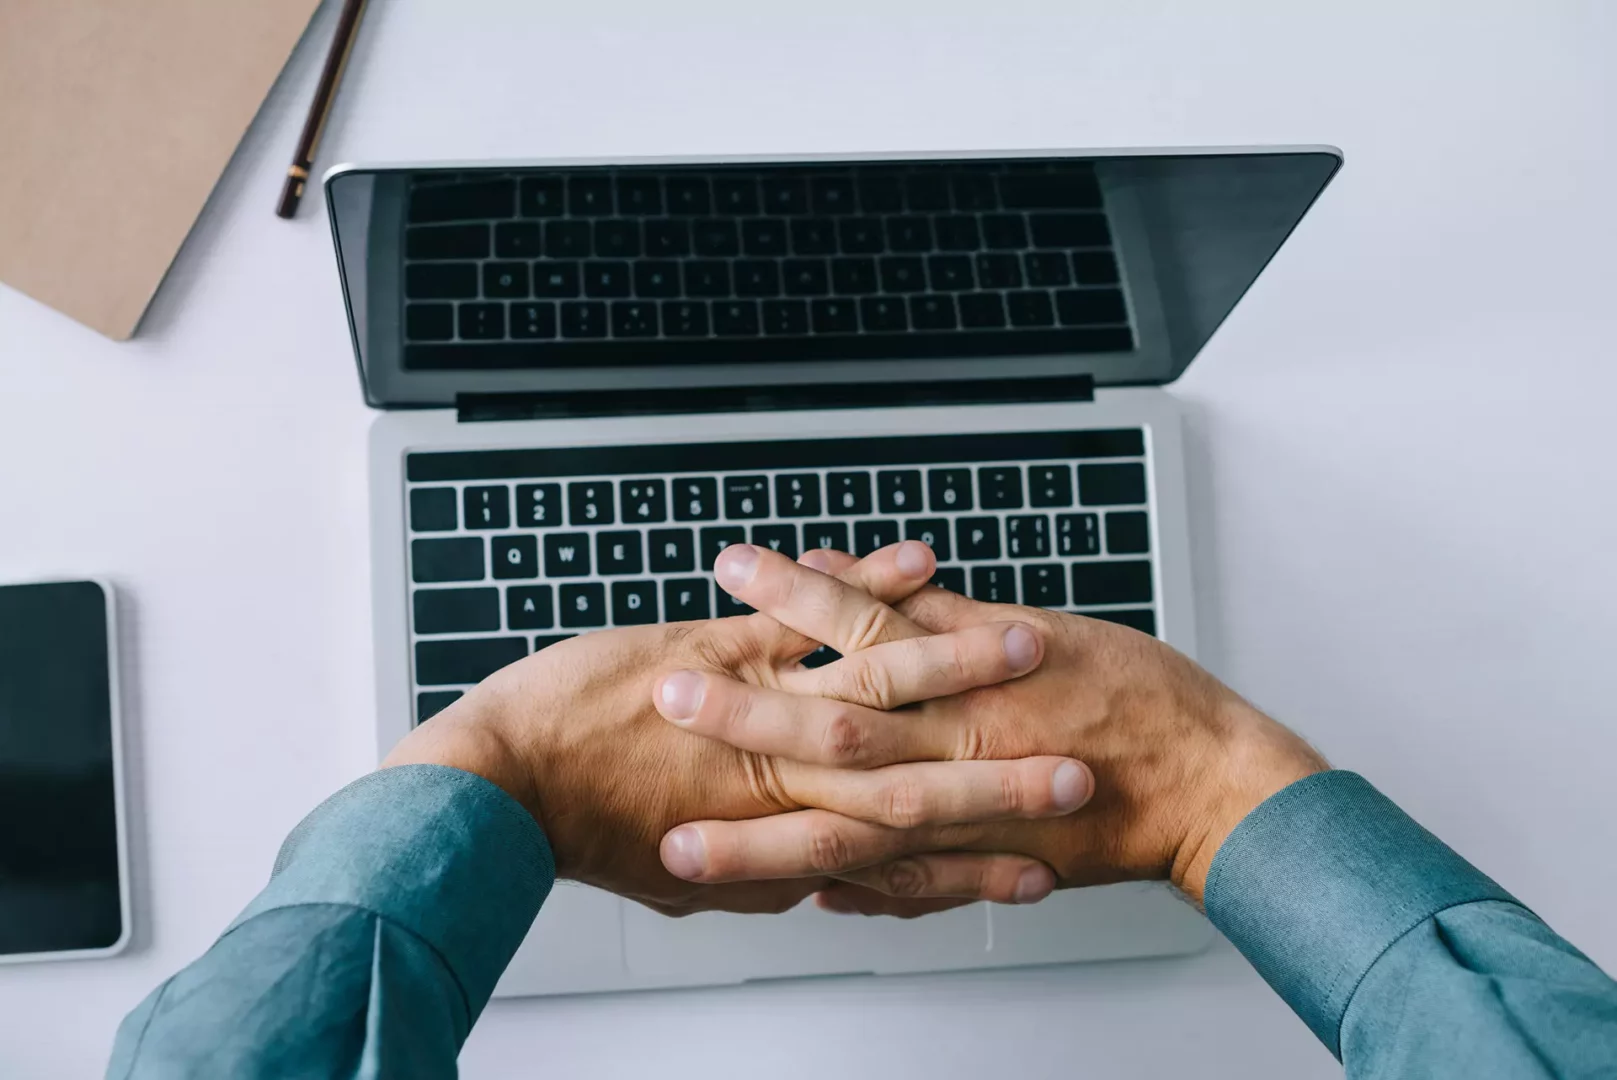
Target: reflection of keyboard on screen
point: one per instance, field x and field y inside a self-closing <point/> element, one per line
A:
<point x="548" y="268"/>
<point x="514" y="550"/>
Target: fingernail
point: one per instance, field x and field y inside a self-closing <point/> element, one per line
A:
<point x="913" y="558"/>
<point x="1069" y="786"/>
<point x="735" y="566"/>
<point x="681" y="695"/>
<point x="1034" y="885"/>
<point x="816" y="560"/>
<point x="685" y="853"/>
<point x="1021" y="647"/>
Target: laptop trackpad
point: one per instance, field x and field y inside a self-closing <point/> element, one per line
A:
<point x="804" y="941"/>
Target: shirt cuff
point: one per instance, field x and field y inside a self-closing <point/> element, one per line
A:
<point x="442" y="853"/>
<point x="1321" y="879"/>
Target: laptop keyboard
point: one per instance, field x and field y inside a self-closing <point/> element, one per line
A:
<point x="514" y="550"/>
<point x="660" y="265"/>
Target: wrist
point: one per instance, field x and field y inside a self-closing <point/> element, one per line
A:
<point x="469" y="735"/>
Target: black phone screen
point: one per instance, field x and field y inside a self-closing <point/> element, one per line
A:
<point x="59" y="838"/>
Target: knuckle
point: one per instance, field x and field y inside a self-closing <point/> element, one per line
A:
<point x="1012" y="792"/>
<point x="843" y="739"/>
<point x="828" y="849"/>
<point x="872" y="624"/>
<point x="905" y="877"/>
<point x="904" y="804"/>
<point x="871" y="684"/>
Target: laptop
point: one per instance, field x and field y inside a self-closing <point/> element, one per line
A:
<point x="592" y="376"/>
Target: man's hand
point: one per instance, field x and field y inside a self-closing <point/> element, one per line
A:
<point x="1178" y="759"/>
<point x="571" y="732"/>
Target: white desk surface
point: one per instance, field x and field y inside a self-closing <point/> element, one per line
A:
<point x="1403" y="467"/>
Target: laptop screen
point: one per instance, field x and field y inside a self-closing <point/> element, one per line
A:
<point x="645" y="275"/>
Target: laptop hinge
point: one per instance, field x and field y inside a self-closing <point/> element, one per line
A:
<point x="572" y="404"/>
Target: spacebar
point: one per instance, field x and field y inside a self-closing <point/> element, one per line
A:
<point x="465" y="660"/>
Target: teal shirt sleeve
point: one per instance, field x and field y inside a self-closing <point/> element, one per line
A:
<point x="1401" y="956"/>
<point x="391" y="913"/>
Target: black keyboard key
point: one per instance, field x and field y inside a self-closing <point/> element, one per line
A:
<point x="847" y="493"/>
<point x="634" y="319"/>
<point x="583" y="319"/>
<point x="949" y="489"/>
<point x="883" y="314"/>
<point x="932" y="313"/>
<point x="447" y="241"/>
<point x="785" y="195"/>
<point x="982" y="311"/>
<point x="813" y="236"/>
<point x="831" y="195"/>
<point x="1094" y="268"/>
<point x="957" y="232"/>
<point x="688" y="195"/>
<point x="656" y="277"/>
<point x="1044" y="585"/>
<point x="1117" y="581"/>
<point x="909" y="234"/>
<point x="1046" y="268"/>
<point x="1004" y="232"/>
<point x="465" y="660"/>
<point x="1141" y="619"/>
<point x="903" y="274"/>
<point x="862" y="236"/>
<point x="826" y="534"/>
<point x="538" y="505"/>
<point x="786" y="317"/>
<point x="806" y="277"/>
<point x="1091" y="307"/>
<point x="949" y="273"/>
<point x="899" y="491"/>
<point x="469" y="200"/>
<point x="618" y="552"/>
<point x="430" y="703"/>
<point x="544" y="641"/>
<point x="481" y="322"/>
<point x="1049" y="485"/>
<point x="869" y="536"/>
<point x="634" y="603"/>
<point x="433" y="510"/>
<point x="707" y="278"/>
<point x="455" y="611"/>
<point x="457" y="558"/>
<point x="686" y="599"/>
<point x="725" y="605"/>
<point x="736" y="318"/>
<point x="517" y="240"/>
<point x="764" y="236"/>
<point x="781" y="538"/>
<point x="736" y="196"/>
<point x="617" y="238"/>
<point x="567" y="239"/>
<point x="1077" y="534"/>
<point x="671" y="550"/>
<point x="429" y="322"/>
<point x="640" y="195"/>
<point x="505" y="280"/>
<point x="952" y="578"/>
<point x="643" y="501"/>
<point x="933" y="532"/>
<point x="715" y="539"/>
<point x="685" y="318"/>
<point x="717" y="237"/>
<point x="926" y="191"/>
<point x="606" y="278"/>
<point x="1030" y="309"/>
<point x="1111" y="485"/>
<point x="696" y="499"/>
<point x="567" y="555"/>
<point x="999" y="271"/>
<point x="1069" y="230"/>
<point x="881" y="193"/>
<point x="993" y="584"/>
<point x="583" y="605"/>
<point x="834" y="316"/>
<point x="589" y="196"/>
<point x="440" y="281"/>
<point x="1000" y="487"/>
<point x="757" y="277"/>
<point x="530" y="322"/>
<point x="1027" y="536"/>
<point x="1127" y="533"/>
<point x="529" y="607"/>
<point x="854" y="277"/>
<point x="487" y="507"/>
<point x="556" y="280"/>
<point x="1061" y="189"/>
<point x="976" y="538"/>
<point x="797" y="495"/>
<point x="590" y="502"/>
<point x="973" y="191"/>
<point x="542" y="196"/>
<point x="664" y="238"/>
<point x="746" y="497"/>
<point x="515" y="557"/>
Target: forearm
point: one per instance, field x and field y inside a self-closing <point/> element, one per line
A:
<point x="393" y="909"/>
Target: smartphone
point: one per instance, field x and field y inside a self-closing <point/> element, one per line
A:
<point x="64" y="883"/>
